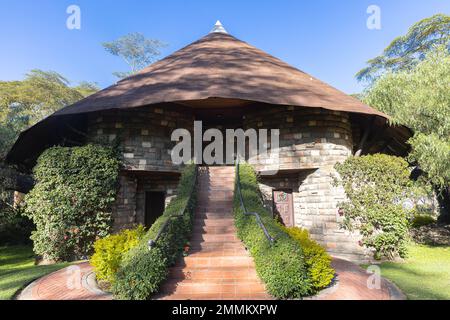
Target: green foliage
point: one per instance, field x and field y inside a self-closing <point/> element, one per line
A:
<point x="23" y="103"/>
<point x="109" y="252"/>
<point x="15" y="228"/>
<point x="420" y="99"/>
<point x="281" y="265"/>
<point x="71" y="201"/>
<point x="420" y="220"/>
<point x="136" y="50"/>
<point x="377" y="186"/>
<point x="144" y="269"/>
<point x="406" y="51"/>
<point x="317" y="260"/>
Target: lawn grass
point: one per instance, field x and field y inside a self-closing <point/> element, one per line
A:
<point x="424" y="275"/>
<point x="17" y="269"/>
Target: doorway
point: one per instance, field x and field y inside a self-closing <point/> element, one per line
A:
<point x="154" y="206"/>
<point x="283" y="206"/>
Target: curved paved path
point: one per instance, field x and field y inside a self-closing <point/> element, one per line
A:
<point x="74" y="283"/>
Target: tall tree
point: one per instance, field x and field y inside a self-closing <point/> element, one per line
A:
<point x="407" y="50"/>
<point x="23" y="103"/>
<point x="136" y="50"/>
<point x="420" y="99"/>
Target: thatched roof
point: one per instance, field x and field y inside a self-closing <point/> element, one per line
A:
<point x="218" y="66"/>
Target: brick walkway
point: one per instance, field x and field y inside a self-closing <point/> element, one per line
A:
<point x="218" y="266"/>
<point x="70" y="283"/>
<point x="351" y="285"/>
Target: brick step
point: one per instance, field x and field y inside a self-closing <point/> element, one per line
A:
<point x="210" y="252"/>
<point x="215" y="296"/>
<point x="212" y="208"/>
<point x="216" y="190"/>
<point x="189" y="287"/>
<point x="214" y="248"/>
<point x="211" y="273"/>
<point x="217" y="214"/>
<point x="202" y="237"/>
<point x="215" y="200"/>
<point x="216" y="194"/>
<point x="195" y="261"/>
<point x="213" y="222"/>
<point x="218" y="182"/>
<point x="214" y="229"/>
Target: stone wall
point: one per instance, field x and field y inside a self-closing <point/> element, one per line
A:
<point x="124" y="210"/>
<point x="166" y="183"/>
<point x="129" y="209"/>
<point x="143" y="134"/>
<point x="312" y="141"/>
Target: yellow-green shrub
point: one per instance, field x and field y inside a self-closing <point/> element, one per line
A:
<point x="109" y="251"/>
<point x="317" y="260"/>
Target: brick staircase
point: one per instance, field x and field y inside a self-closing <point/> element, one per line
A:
<point x="218" y="266"/>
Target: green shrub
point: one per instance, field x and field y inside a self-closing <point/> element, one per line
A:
<point x="420" y="220"/>
<point x="109" y="251"/>
<point x="143" y="269"/>
<point x="317" y="260"/>
<point x="281" y="265"/>
<point x="377" y="186"/>
<point x="15" y="228"/>
<point x="71" y="201"/>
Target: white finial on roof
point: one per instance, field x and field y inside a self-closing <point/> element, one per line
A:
<point x="218" y="27"/>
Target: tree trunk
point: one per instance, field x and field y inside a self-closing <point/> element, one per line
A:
<point x="444" y="204"/>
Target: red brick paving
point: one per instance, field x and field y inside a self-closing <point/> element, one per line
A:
<point x="218" y="266"/>
<point x="65" y="284"/>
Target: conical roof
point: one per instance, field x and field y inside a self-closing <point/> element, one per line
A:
<point x="220" y="66"/>
<point x="215" y="66"/>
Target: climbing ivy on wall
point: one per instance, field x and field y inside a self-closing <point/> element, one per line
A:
<point x="71" y="201"/>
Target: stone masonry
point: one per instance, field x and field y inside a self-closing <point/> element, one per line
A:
<point x="312" y="141"/>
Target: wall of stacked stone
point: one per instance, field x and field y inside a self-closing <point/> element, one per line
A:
<point x="143" y="134"/>
<point x="166" y="183"/>
<point x="312" y="141"/>
<point x="124" y="209"/>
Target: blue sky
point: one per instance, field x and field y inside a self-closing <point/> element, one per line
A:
<point x="328" y="39"/>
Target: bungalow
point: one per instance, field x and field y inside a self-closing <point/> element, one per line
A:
<point x="227" y="84"/>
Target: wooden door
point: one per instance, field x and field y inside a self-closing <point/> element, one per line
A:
<point x="283" y="206"/>
<point x="154" y="206"/>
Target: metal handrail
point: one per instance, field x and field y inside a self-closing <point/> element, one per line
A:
<point x="152" y="242"/>
<point x="256" y="214"/>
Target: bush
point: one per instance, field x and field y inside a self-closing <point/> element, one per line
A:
<point x="317" y="260"/>
<point x="15" y="228"/>
<point x="143" y="269"/>
<point x="377" y="186"/>
<point x="281" y="265"/>
<point x="420" y="220"/>
<point x="109" y="251"/>
<point x="71" y="201"/>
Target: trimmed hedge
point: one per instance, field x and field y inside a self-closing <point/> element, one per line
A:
<point x="280" y="265"/>
<point x="317" y="259"/>
<point x="109" y="252"/>
<point x="143" y="270"/>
